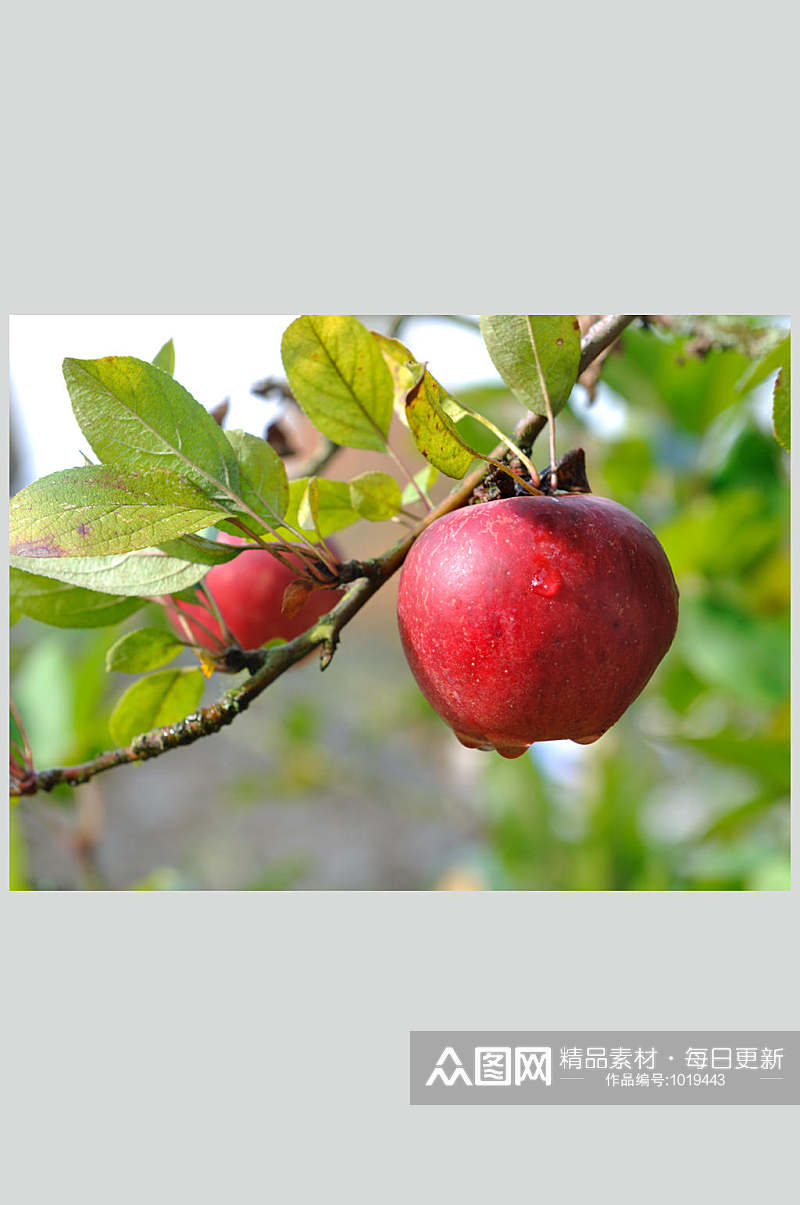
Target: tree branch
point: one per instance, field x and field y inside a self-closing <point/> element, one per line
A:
<point x="324" y="634"/>
<point x="600" y="336"/>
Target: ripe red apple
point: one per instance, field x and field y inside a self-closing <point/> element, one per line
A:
<point x="535" y="618"/>
<point x="249" y="591"/>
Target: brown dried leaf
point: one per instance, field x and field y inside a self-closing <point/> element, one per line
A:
<point x="294" y="596"/>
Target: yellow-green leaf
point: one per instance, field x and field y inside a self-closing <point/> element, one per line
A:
<point x="339" y="377"/>
<point x="406" y="371"/>
<point x="326" y="507"/>
<point x="165" y="358"/>
<point x="376" y="496"/>
<point x="98" y="510"/>
<point x="435" y="433"/>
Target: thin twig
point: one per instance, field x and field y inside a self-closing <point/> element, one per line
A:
<point x="324" y="634"/>
<point x="602" y="335"/>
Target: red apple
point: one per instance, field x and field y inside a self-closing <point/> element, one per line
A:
<point x="249" y="591"/>
<point x="535" y="618"/>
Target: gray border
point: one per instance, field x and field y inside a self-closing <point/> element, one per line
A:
<point x="166" y="1034"/>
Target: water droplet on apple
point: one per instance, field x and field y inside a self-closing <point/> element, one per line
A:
<point x="511" y="751"/>
<point x="546" y="581"/>
<point x="471" y="742"/>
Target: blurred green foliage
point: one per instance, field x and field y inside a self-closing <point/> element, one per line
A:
<point x="689" y="791"/>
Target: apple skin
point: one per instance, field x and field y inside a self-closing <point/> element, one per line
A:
<point x="249" y="591"/>
<point x="535" y="618"/>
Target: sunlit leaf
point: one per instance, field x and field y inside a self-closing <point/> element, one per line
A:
<point x="375" y="496"/>
<point x="339" y="377"/>
<point x="326" y="506"/>
<point x="406" y="371"/>
<point x="165" y="358"/>
<point x="435" y="433"/>
<point x="263" y="484"/>
<point x="98" y="510"/>
<point x="136" y="416"/>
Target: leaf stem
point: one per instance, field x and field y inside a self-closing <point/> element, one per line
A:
<point x="227" y="634"/>
<point x="551" y="422"/>
<point x="421" y="491"/>
<point x="521" y="456"/>
<point x="180" y="618"/>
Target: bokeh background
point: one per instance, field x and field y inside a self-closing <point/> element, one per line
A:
<point x="347" y="779"/>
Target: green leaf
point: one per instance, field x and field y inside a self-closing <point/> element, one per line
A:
<point x="165" y="358"/>
<point x="375" y="496"/>
<point x="769" y="760"/>
<point x="435" y="432"/>
<point x="147" y="573"/>
<point x="59" y="688"/>
<point x="98" y="510"/>
<point x="722" y="535"/>
<point x="155" y="701"/>
<point x="325" y="506"/>
<point x="135" y="415"/>
<point x="145" y="649"/>
<point x="558" y="343"/>
<point x="199" y="550"/>
<point x="263" y="483"/>
<point x="339" y="377"/>
<point x="773" y="361"/>
<point x="424" y="479"/>
<point x="781" y="401"/>
<point x="725" y="648"/>
<point x="65" y="606"/>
